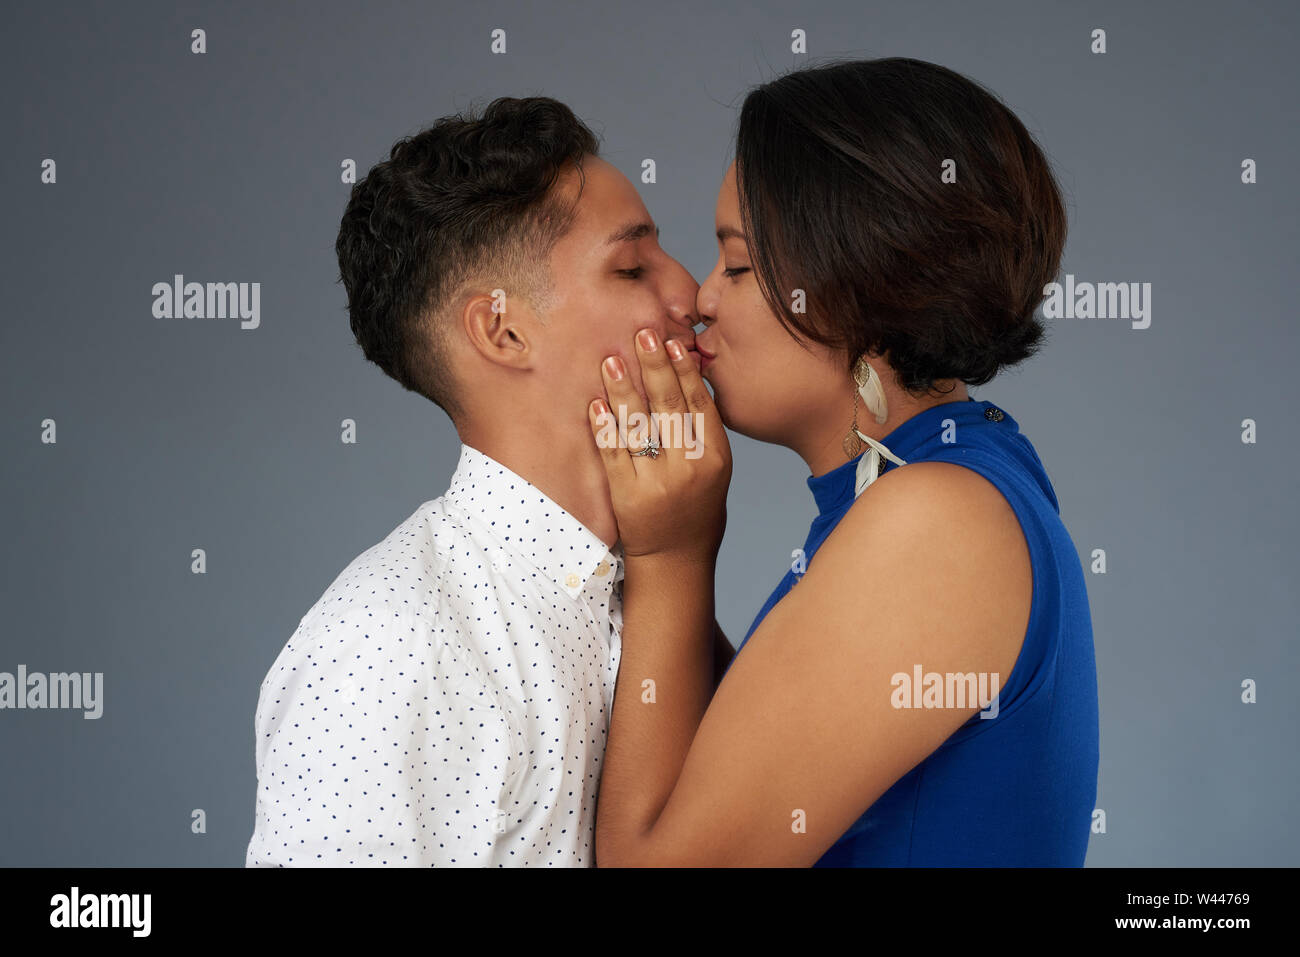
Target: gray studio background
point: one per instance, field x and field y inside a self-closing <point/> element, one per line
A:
<point x="183" y="434"/>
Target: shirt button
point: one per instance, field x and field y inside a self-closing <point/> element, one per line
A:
<point x="572" y="580"/>
<point x="603" y="567"/>
<point x="993" y="414"/>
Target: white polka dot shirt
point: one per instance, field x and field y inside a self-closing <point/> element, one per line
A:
<point x="446" y="700"/>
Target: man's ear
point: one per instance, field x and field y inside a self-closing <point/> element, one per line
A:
<point x="500" y="336"/>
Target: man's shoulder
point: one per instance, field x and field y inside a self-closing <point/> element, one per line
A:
<point x="404" y="599"/>
<point x="399" y="573"/>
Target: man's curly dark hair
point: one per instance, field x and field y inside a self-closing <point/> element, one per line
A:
<point x="461" y="205"/>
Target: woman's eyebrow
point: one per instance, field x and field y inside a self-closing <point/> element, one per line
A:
<point x="730" y="232"/>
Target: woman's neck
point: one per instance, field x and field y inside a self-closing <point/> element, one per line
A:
<point x="823" y="449"/>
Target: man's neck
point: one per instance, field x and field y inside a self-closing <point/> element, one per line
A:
<point x="564" y="466"/>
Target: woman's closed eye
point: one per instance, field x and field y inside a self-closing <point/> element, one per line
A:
<point x="733" y="273"/>
<point x="631" y="273"/>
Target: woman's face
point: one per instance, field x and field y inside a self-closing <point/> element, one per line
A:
<point x="766" y="385"/>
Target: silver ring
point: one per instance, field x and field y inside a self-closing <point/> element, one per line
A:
<point x="651" y="449"/>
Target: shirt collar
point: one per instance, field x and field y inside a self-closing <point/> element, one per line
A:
<point x="522" y="517"/>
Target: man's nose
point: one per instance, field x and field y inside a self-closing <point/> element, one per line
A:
<point x="682" y="319"/>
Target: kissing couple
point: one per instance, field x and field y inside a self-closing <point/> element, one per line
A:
<point x="529" y="670"/>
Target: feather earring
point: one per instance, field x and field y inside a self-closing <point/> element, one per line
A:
<point x="873" y="394"/>
<point x="852" y="445"/>
<point x="871" y="390"/>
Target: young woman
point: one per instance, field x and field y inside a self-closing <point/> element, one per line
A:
<point x="925" y="692"/>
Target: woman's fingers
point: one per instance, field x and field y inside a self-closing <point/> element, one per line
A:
<point x="658" y="374"/>
<point x="681" y="416"/>
<point x="689" y="380"/>
<point x="627" y="406"/>
<point x="618" y="464"/>
<point x="673" y="502"/>
<point x="699" y="403"/>
<point x="672" y="425"/>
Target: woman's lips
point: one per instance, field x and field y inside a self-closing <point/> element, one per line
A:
<point x="706" y="356"/>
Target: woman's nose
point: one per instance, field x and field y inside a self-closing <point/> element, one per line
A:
<point x="704" y="306"/>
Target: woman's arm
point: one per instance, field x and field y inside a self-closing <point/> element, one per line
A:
<point x="665" y="681"/>
<point x="928" y="569"/>
<point x="670" y="546"/>
<point x="723" y="652"/>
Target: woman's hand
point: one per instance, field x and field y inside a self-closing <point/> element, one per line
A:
<point x="672" y="504"/>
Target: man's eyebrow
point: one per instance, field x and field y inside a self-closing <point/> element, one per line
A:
<point x="730" y="232"/>
<point x="631" y="232"/>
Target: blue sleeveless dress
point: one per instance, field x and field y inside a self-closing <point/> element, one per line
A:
<point x="1018" y="789"/>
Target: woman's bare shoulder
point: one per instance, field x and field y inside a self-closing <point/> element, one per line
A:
<point x="931" y="539"/>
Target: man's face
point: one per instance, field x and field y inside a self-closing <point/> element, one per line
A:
<point x="611" y="279"/>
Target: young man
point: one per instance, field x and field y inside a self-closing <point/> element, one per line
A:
<point x="446" y="699"/>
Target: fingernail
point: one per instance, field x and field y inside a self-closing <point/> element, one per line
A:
<point x="674" y="348"/>
<point x="614" y="368"/>
<point x="647" y="339"/>
<point x="598" y="406"/>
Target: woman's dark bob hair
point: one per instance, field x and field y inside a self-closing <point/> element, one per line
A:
<point x="913" y="208"/>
